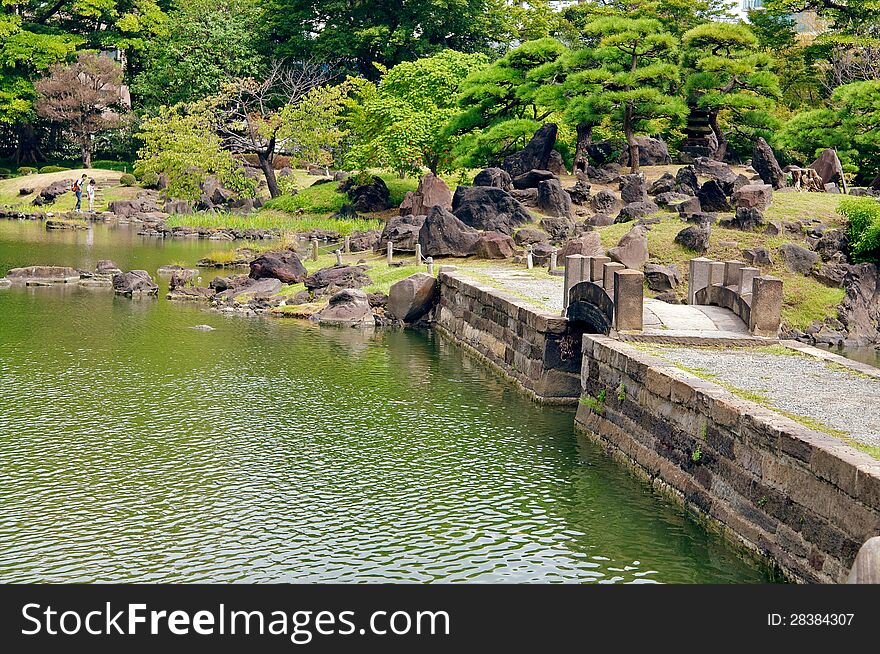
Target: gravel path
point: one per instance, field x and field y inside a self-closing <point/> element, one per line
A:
<point x="797" y="384"/>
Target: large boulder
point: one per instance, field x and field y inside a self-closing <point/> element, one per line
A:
<point x="589" y="245"/>
<point x="558" y="227"/>
<point x="829" y="167"/>
<point x="757" y="256"/>
<point x="250" y="289"/>
<point x="632" y="249"/>
<point x="753" y="196"/>
<point x="367" y="198"/>
<point x="833" y="244"/>
<point x="556" y="164"/>
<point x="695" y="237"/>
<point x="214" y="194"/>
<point x="604" y="202"/>
<point x="633" y="189"/>
<point x="403" y="232"/>
<point x="599" y="220"/>
<point x="107" y="267"/>
<point x="333" y="278"/>
<point x="686" y="180"/>
<point x="284" y="266"/>
<point x="652" y="152"/>
<point x="552" y="200"/>
<point x="128" y="208"/>
<point x="494" y="177"/>
<point x="764" y="162"/>
<point x="431" y="192"/>
<point x="860" y="309"/>
<point x="495" y="245"/>
<point x="580" y="192"/>
<point x="746" y="219"/>
<point x="135" y="282"/>
<point x="716" y="170"/>
<point x="662" y="278"/>
<point x="664" y="184"/>
<point x="635" y="210"/>
<point x="798" y="259"/>
<point x="444" y="235"/>
<point x="532" y="178"/>
<point x="712" y="197"/>
<point x="489" y="208"/>
<point x="43" y="275"/>
<point x="412" y="298"/>
<point x="600" y="175"/>
<point x="536" y="154"/>
<point x="605" y="152"/>
<point x="530" y="236"/>
<point x="349" y="307"/>
<point x="50" y="193"/>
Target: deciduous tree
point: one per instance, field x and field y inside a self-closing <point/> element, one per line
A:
<point x="83" y="98"/>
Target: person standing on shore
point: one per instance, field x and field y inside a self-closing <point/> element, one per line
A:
<point x="78" y="190"/>
<point x="90" y="192"/>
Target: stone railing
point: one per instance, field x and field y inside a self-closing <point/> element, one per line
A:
<point x="756" y="299"/>
<point x="603" y="294"/>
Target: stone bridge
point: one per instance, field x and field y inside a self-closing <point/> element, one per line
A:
<point x="726" y="300"/>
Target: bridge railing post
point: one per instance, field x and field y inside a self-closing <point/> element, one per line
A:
<point x="608" y="277"/>
<point x="733" y="274"/>
<point x="597" y="269"/>
<point x="765" y="315"/>
<point x="698" y="276"/>
<point x="629" y="292"/>
<point x="747" y="276"/>
<point x="573" y="264"/>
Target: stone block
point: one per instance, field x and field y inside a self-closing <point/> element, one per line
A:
<point x="766" y="309"/>
<point x="698" y="276"/>
<point x="732" y="274"/>
<point x="628" y="296"/>
<point x="597" y="269"/>
<point x="747" y="275"/>
<point x="608" y="276"/>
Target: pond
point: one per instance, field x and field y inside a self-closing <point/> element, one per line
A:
<point x="135" y="449"/>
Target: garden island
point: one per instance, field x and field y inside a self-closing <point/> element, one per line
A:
<point x="462" y="291"/>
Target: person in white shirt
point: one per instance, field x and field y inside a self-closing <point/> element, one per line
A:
<point x="90" y="190"/>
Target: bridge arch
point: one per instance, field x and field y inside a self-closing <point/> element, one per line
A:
<point x="590" y="308"/>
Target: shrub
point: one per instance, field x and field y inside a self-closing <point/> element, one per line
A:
<point x="26" y="170"/>
<point x="127" y="179"/>
<point x="321" y="199"/>
<point x="5" y="172"/>
<point x="863" y="229"/>
<point x="111" y="164"/>
<point x="150" y="179"/>
<point x="53" y="169"/>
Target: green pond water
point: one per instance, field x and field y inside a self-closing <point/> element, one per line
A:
<point x="133" y="448"/>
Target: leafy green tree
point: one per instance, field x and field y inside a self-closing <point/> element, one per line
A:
<point x="499" y="106"/>
<point x="34" y="35"/>
<point x="24" y="55"/>
<point x="851" y="125"/>
<point x="399" y="122"/>
<point x="635" y="77"/>
<point x="730" y="78"/>
<point x="205" y="44"/>
<point x="182" y="143"/>
<point x="355" y="34"/>
<point x="843" y="16"/>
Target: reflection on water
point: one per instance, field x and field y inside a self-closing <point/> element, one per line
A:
<point x="133" y="448"/>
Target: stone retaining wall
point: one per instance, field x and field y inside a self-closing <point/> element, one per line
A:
<point x="538" y="350"/>
<point x="799" y="497"/>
